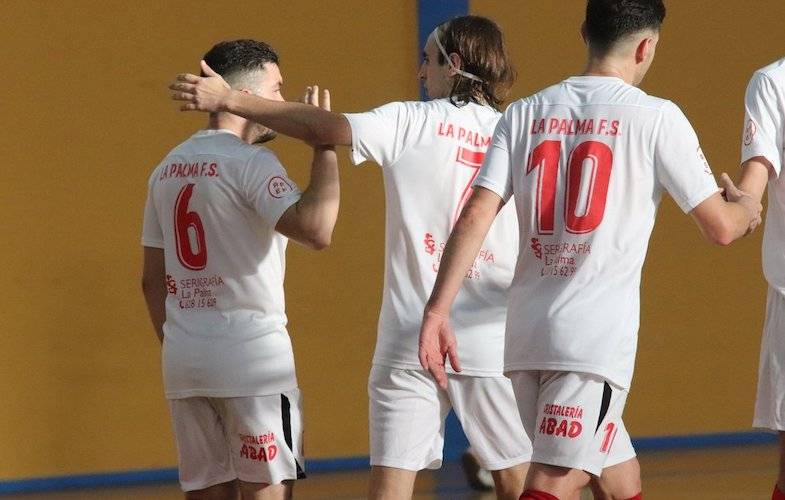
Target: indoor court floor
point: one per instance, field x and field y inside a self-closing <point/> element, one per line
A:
<point x="738" y="473"/>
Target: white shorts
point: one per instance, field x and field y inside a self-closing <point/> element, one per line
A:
<point x="407" y="413"/>
<point x="573" y="419"/>
<point x="257" y="439"/>
<point x="770" y="401"/>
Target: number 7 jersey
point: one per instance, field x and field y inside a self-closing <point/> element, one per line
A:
<point x="587" y="161"/>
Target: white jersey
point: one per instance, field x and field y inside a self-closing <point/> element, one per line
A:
<point x="587" y="160"/>
<point x="430" y="153"/>
<point x="213" y="205"/>
<point x="764" y="132"/>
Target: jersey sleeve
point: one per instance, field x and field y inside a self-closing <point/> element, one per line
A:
<point x="680" y="165"/>
<point x="763" y="122"/>
<point x="382" y="134"/>
<point x="152" y="233"/>
<point x="496" y="171"/>
<point x="267" y="187"/>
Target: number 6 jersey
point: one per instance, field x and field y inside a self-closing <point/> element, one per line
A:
<point x="213" y="205"/>
<point x="430" y="153"/>
<point x="587" y="161"/>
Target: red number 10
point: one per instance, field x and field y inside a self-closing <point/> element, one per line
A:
<point x="595" y="156"/>
<point x="184" y="223"/>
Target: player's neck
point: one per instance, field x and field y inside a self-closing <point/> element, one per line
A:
<point x="609" y="67"/>
<point x="225" y="121"/>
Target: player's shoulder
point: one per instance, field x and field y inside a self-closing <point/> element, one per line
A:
<point x="774" y="72"/>
<point x="594" y="90"/>
<point x="444" y="109"/>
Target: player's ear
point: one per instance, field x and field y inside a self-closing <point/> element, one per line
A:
<point x="455" y="59"/>
<point x="583" y="33"/>
<point x="644" y="48"/>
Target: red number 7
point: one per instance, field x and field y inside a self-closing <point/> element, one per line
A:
<point x="471" y="159"/>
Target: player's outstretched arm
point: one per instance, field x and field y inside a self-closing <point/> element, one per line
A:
<point x="312" y="124"/>
<point x="154" y="288"/>
<point x="723" y="222"/>
<point x="310" y="221"/>
<point x="437" y="340"/>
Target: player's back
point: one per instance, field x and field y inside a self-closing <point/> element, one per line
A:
<point x="590" y="158"/>
<point x="431" y="152"/>
<point x="216" y="201"/>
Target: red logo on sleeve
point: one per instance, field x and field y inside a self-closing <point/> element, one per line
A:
<point x="278" y="187"/>
<point x="749" y="132"/>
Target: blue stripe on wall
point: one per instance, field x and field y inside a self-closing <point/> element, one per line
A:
<point x="130" y="478"/>
<point x="430" y="13"/>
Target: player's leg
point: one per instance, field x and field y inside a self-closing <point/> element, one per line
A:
<point x="204" y="462"/>
<point x="406" y="417"/>
<point x="264" y="434"/>
<point x="621" y="476"/>
<point x="262" y="491"/>
<point x="391" y="483"/>
<point x="770" y="400"/>
<point x="578" y="417"/>
<point x="618" y="482"/>
<point x="488" y="412"/>
<point x="478" y="478"/>
<point x="223" y="491"/>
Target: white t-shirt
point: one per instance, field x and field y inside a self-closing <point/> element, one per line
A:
<point x="587" y="161"/>
<point x="213" y="205"/>
<point x="430" y="153"/>
<point x="763" y="136"/>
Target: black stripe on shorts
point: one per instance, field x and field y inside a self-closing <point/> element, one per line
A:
<point x="286" y="420"/>
<point x="605" y="405"/>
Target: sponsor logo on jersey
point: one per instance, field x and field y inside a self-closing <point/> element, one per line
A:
<point x="430" y="244"/>
<point x="749" y="132"/>
<point x="171" y="284"/>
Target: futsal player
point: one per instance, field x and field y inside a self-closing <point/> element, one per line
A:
<point x="219" y="212"/>
<point x="430" y="153"/>
<point x="762" y="156"/>
<point x="587" y="161"/>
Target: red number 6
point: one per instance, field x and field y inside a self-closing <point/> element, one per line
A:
<point x="186" y="224"/>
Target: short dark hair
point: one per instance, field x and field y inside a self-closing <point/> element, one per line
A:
<point x="238" y="56"/>
<point x="480" y="44"/>
<point x="608" y="21"/>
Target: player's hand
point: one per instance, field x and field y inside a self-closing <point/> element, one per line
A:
<point x="311" y="97"/>
<point x="733" y="194"/>
<point x="201" y="93"/>
<point x="437" y="343"/>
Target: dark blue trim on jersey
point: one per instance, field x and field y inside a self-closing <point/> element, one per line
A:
<point x="430" y="13"/>
<point x="169" y="475"/>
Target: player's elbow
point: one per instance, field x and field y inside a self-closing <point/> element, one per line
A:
<point x="722" y="234"/>
<point x="318" y="238"/>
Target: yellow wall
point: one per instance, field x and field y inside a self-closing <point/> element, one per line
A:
<point x="87" y="117"/>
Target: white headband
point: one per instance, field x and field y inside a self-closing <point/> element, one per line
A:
<point x="468" y="75"/>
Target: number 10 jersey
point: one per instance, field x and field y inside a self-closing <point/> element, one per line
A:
<point x="587" y="161"/>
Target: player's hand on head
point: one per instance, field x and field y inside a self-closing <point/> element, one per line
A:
<point x="201" y="93"/>
<point x="437" y="344"/>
